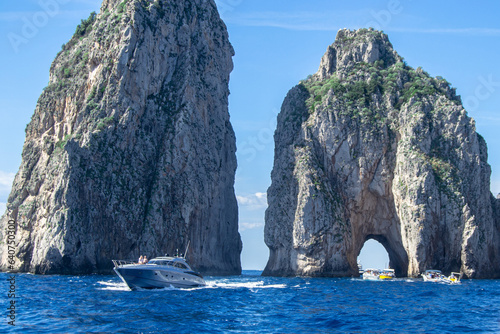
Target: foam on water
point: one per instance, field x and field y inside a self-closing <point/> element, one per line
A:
<point x="215" y="284"/>
<point x="248" y="285"/>
<point x="113" y="286"/>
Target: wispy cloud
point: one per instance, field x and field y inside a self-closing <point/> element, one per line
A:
<point x="495" y="187"/>
<point x="5" y="184"/>
<point x="304" y="20"/>
<point x="13" y="17"/>
<point x="449" y="31"/>
<point x="490" y="119"/>
<point x="257" y="201"/>
<point x="333" y="21"/>
<point x="244" y="226"/>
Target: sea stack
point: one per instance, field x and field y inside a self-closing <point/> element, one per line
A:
<point x="370" y="148"/>
<point x="130" y="150"/>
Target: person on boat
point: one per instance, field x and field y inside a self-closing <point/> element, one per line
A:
<point x="145" y="259"/>
<point x="141" y="259"/>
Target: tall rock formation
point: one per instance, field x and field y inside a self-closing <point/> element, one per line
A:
<point x="130" y="150"/>
<point x="369" y="148"/>
<point x="496" y="206"/>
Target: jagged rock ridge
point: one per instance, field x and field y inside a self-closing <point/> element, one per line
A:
<point x="130" y="150"/>
<point x="369" y="148"/>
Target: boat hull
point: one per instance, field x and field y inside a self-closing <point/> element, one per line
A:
<point x="370" y="277"/>
<point x="142" y="277"/>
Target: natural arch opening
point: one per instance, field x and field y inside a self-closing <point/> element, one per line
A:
<point x="373" y="255"/>
<point x="387" y="250"/>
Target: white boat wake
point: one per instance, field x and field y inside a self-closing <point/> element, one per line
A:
<point x="239" y="285"/>
<point x="113" y="286"/>
<point x="120" y="286"/>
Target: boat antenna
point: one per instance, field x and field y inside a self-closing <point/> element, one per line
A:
<point x="185" y="253"/>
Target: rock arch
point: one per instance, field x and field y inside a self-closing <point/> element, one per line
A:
<point x="398" y="259"/>
<point x="371" y="148"/>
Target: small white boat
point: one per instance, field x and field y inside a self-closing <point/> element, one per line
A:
<point x="387" y="274"/>
<point x="433" y="275"/>
<point x="371" y="274"/>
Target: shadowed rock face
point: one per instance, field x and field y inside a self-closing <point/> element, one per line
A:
<point x="369" y="148"/>
<point x="130" y="150"/>
<point x="496" y="205"/>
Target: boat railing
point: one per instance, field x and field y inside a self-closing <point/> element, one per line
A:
<point x="120" y="263"/>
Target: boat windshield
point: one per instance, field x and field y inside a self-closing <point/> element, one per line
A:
<point x="161" y="263"/>
<point x="168" y="263"/>
<point x="180" y="265"/>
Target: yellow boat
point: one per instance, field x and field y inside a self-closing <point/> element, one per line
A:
<point x="387" y="274"/>
<point x="455" y="278"/>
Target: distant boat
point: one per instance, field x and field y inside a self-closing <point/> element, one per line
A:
<point x="371" y="274"/>
<point x="433" y="275"/>
<point x="387" y="274"/>
<point x="455" y="278"/>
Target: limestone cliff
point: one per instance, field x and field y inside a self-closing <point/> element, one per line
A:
<point x="130" y="150"/>
<point x="496" y="206"/>
<point x="369" y="148"/>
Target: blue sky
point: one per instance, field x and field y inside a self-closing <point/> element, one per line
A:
<point x="277" y="43"/>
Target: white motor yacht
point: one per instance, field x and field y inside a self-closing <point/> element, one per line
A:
<point x="160" y="272"/>
<point x="433" y="275"/>
<point x="371" y="274"/>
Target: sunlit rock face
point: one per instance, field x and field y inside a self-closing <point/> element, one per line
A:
<point x="130" y="150"/>
<point x="370" y="148"/>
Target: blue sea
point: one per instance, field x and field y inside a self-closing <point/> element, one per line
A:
<point x="251" y="304"/>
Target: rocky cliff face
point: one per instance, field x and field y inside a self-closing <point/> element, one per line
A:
<point x="369" y="148"/>
<point x="496" y="205"/>
<point x="130" y="150"/>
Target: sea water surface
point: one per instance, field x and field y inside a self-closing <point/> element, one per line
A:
<point x="249" y="304"/>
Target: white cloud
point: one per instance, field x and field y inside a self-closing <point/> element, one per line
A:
<point x="257" y="201"/>
<point x="304" y="20"/>
<point x="495" y="187"/>
<point x="249" y="226"/>
<point x="488" y="119"/>
<point x="450" y="31"/>
<point x="14" y="16"/>
<point x="18" y="16"/>
<point x="5" y="183"/>
<point x="333" y="21"/>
